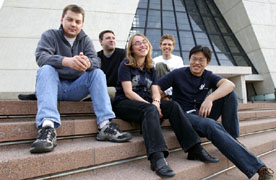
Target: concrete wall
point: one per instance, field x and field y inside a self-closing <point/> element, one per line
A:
<point x="22" y="23"/>
<point x="254" y="24"/>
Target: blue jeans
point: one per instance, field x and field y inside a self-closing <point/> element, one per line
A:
<point x="50" y="89"/>
<point x="247" y="162"/>
<point x="227" y="108"/>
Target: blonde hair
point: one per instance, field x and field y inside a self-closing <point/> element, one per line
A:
<point x="132" y="62"/>
<point x="167" y="36"/>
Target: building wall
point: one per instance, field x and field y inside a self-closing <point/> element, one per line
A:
<point x="23" y="23"/>
<point x="254" y="24"/>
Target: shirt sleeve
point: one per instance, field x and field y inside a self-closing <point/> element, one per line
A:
<point x="214" y="79"/>
<point x="154" y="77"/>
<point x="124" y="73"/>
<point x="90" y="52"/>
<point x="45" y="51"/>
<point x="167" y="81"/>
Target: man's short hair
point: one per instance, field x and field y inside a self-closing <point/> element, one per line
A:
<point x="103" y="32"/>
<point x="204" y="49"/>
<point x="167" y="36"/>
<point x="74" y="8"/>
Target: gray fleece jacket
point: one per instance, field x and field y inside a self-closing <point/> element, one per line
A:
<point x="53" y="47"/>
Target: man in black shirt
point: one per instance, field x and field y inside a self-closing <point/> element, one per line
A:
<point x="111" y="58"/>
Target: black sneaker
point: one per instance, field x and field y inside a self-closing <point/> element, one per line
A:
<point x="111" y="132"/>
<point x="46" y="140"/>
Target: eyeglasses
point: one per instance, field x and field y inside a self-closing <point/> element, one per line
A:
<point x="200" y="60"/>
<point x="139" y="43"/>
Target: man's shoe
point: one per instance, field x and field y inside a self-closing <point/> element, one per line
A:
<point x="46" y="140"/>
<point x="162" y="168"/>
<point x="31" y="96"/>
<point x="203" y="156"/>
<point x="266" y="174"/>
<point x="111" y="132"/>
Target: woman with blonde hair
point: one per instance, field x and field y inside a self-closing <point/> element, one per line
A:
<point x="134" y="102"/>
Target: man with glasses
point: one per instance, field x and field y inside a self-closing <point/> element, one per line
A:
<point x="190" y="89"/>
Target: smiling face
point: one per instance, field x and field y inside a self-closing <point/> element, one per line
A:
<point x="140" y="47"/>
<point x="198" y="62"/>
<point x="167" y="47"/>
<point x="72" y="23"/>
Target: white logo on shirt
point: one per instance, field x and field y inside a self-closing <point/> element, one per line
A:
<point x="201" y="86"/>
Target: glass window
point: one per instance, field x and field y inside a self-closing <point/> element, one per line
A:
<point x="185" y="57"/>
<point x="186" y="39"/>
<point x="143" y="4"/>
<point x="182" y="21"/>
<point x="240" y="60"/>
<point x="154" y="19"/>
<point x="218" y="43"/>
<point x="202" y="39"/>
<point x="156" y="52"/>
<point x="167" y="5"/>
<point x="225" y="60"/>
<point x="231" y="44"/>
<point x="212" y="8"/>
<point x="202" y="8"/>
<point x="210" y="25"/>
<point x="140" y="18"/>
<point x="191" y="7"/>
<point x="196" y="23"/>
<point x="221" y="25"/>
<point x="168" y="20"/>
<point x="179" y="6"/>
<point x="154" y="37"/>
<point x="154" y="4"/>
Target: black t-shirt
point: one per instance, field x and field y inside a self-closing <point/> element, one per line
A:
<point x="141" y="81"/>
<point x="110" y="65"/>
<point x="189" y="90"/>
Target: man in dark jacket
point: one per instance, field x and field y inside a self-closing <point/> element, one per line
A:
<point x="69" y="71"/>
<point x="111" y="57"/>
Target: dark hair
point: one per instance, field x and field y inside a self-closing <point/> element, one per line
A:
<point x="74" y="8"/>
<point x="205" y="50"/>
<point x="103" y="32"/>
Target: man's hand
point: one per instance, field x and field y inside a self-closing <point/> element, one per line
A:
<point x="157" y="104"/>
<point x="206" y="107"/>
<point x="80" y="63"/>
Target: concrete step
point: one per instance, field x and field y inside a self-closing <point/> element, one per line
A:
<point x="235" y="174"/>
<point x="14" y="107"/>
<point x="256" y="114"/>
<point x="18" y="129"/>
<point x="184" y="169"/>
<point x="16" y="162"/>
<point x="17" y="107"/>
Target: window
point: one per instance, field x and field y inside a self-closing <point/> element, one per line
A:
<point x="191" y="22"/>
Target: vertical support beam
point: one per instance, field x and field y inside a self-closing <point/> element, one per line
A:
<point x="240" y="89"/>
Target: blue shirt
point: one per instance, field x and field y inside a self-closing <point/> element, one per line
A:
<point x="141" y="81"/>
<point x="189" y="90"/>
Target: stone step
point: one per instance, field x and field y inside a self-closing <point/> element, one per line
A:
<point x="17" y="107"/>
<point x="19" y="129"/>
<point x="235" y="174"/>
<point x="16" y="162"/>
<point x="256" y="114"/>
<point x="184" y="169"/>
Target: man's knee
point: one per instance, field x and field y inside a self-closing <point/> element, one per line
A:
<point x="47" y="71"/>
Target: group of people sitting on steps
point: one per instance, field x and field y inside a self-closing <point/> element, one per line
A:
<point x="143" y="90"/>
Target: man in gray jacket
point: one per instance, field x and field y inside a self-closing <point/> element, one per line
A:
<point x="69" y="71"/>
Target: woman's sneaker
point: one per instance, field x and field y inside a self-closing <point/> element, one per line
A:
<point x="112" y="132"/>
<point x="46" y="140"/>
